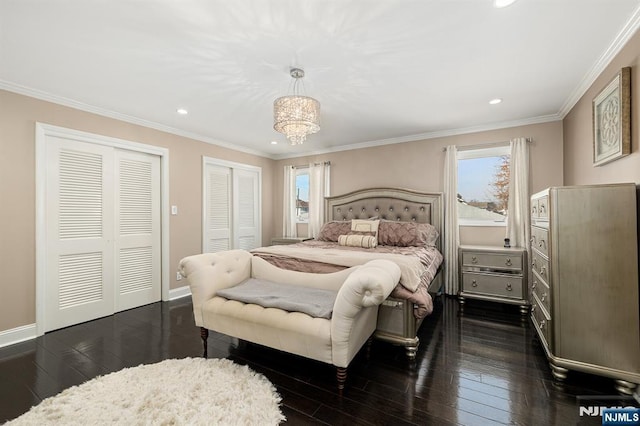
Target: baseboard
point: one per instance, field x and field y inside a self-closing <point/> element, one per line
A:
<point x="28" y="332"/>
<point x="177" y="293"/>
<point x="17" y="335"/>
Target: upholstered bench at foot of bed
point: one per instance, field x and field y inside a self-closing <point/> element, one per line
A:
<point x="336" y="340"/>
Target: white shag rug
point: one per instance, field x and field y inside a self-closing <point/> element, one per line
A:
<point x="190" y="391"/>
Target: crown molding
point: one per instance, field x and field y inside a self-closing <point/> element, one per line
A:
<point x="426" y="136"/>
<point x="605" y="59"/>
<point x="60" y="100"/>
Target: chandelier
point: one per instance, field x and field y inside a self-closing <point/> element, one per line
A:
<point x="296" y="116"/>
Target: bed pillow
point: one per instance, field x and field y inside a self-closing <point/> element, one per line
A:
<point x="405" y="234"/>
<point x="330" y="231"/>
<point x="363" y="225"/>
<point x="358" y="239"/>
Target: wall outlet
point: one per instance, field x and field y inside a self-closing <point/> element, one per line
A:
<point x="178" y="276"/>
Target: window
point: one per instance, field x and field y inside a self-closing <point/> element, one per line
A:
<point x="483" y="186"/>
<point x="302" y="195"/>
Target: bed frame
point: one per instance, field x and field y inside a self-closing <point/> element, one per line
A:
<point x="396" y="322"/>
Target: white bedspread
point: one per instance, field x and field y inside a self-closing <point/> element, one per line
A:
<point x="411" y="268"/>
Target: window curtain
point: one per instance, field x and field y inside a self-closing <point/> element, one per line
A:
<point x="289" y="228"/>
<point x="319" y="179"/>
<point x="451" y="231"/>
<point x="518" y="221"/>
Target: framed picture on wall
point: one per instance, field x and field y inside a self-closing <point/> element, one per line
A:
<point x="612" y="120"/>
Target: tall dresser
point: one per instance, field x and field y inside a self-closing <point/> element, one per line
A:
<point x="584" y="286"/>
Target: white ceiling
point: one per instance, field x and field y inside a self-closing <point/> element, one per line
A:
<point x="383" y="70"/>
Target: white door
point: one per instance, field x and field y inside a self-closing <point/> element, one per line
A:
<point x="102" y="231"/>
<point x="137" y="230"/>
<point x="79" y="201"/>
<point x="231" y="206"/>
<point x="246" y="209"/>
<point x="217" y="209"/>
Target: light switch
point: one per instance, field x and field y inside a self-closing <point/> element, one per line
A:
<point x="174" y="210"/>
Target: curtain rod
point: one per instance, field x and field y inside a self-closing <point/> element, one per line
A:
<point x="304" y="166"/>
<point x="485" y="145"/>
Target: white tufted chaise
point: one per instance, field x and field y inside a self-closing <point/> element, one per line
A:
<point x="336" y="341"/>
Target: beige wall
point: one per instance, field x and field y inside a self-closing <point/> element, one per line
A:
<point x="420" y="165"/>
<point x="18" y="115"/>
<point x="578" y="130"/>
<point x="417" y="165"/>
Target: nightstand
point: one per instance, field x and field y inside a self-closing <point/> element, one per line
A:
<point x="494" y="273"/>
<point x="277" y="241"/>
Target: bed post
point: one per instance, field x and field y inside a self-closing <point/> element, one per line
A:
<point x="204" y="334"/>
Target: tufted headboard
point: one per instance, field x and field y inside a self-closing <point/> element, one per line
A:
<point x="388" y="203"/>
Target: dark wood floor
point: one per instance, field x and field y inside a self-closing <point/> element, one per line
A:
<point x="483" y="367"/>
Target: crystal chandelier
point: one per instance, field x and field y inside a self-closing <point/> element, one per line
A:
<point x="296" y="116"/>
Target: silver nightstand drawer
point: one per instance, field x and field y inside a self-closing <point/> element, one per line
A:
<point x="492" y="260"/>
<point x="493" y="285"/>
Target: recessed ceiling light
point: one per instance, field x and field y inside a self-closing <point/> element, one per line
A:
<point x="495" y="101"/>
<point x="182" y="111"/>
<point x="502" y="3"/>
<point x="274" y="142"/>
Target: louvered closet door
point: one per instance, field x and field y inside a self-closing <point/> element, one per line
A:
<point x="80" y="227"/>
<point x="217" y="209"/>
<point x="137" y="238"/>
<point x="246" y="209"/>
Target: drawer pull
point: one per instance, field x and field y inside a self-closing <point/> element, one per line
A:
<point x="509" y="287"/>
<point x="533" y="308"/>
<point x="534" y="210"/>
<point x="533" y="262"/>
<point x="508" y="262"/>
<point x="542" y="244"/>
<point x="543" y="270"/>
<point x="474" y="259"/>
<point x="544" y="296"/>
<point x="533" y="286"/>
<point x="543" y="208"/>
<point x="474" y="283"/>
<point x="542" y="324"/>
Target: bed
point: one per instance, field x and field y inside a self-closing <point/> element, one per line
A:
<point x="398" y="212"/>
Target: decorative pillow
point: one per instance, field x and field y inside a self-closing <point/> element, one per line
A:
<point x="358" y="240"/>
<point x="330" y="231"/>
<point x="362" y="225"/>
<point x="404" y="234"/>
